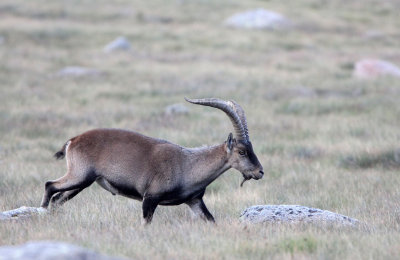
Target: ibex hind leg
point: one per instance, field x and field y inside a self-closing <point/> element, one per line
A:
<point x="62" y="197"/>
<point x="68" y="182"/>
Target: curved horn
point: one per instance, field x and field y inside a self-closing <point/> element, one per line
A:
<point x="229" y="108"/>
<point x="239" y="110"/>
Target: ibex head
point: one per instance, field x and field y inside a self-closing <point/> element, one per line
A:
<point x="239" y="148"/>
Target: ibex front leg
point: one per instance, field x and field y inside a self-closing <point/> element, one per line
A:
<point x="199" y="209"/>
<point x="149" y="205"/>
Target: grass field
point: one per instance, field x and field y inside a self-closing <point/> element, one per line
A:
<point x="325" y="139"/>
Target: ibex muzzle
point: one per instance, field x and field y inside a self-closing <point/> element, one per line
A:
<point x="151" y="170"/>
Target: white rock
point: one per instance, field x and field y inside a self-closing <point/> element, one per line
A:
<point x="293" y="214"/>
<point x="75" y="72"/>
<point x="176" y="109"/>
<point x="120" y="43"/>
<point x="3" y="217"/>
<point x="49" y="250"/>
<point x="257" y="19"/>
<point x="371" y="68"/>
<point x="373" y="34"/>
<point x="22" y="212"/>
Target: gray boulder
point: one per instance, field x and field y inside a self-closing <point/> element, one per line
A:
<point x="293" y="214"/>
<point x="257" y="19"/>
<point x="76" y="72"/>
<point x="371" y="68"/>
<point x="50" y="250"/>
<point x="119" y="44"/>
<point x="176" y="109"/>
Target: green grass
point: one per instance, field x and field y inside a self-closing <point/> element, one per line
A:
<point x="325" y="139"/>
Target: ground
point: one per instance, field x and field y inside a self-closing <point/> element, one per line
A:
<point x="325" y="139"/>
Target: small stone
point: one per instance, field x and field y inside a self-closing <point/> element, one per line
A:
<point x="176" y="109"/>
<point x="371" y="69"/>
<point x="373" y="34"/>
<point x="257" y="19"/>
<point x="76" y="72"/>
<point x="119" y="44"/>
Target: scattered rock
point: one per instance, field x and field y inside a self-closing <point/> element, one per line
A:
<point x="370" y="69"/>
<point x="22" y="212"/>
<point x="373" y="34"/>
<point x="258" y="19"/>
<point x="76" y="72"/>
<point x="49" y="250"/>
<point x="293" y="92"/>
<point x="119" y="44"/>
<point x="176" y="109"/>
<point x="293" y="214"/>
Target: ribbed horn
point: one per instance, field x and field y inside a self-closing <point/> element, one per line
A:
<point x="240" y="112"/>
<point x="229" y="108"/>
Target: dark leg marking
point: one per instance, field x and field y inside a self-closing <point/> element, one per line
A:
<point x="149" y="205"/>
<point x="199" y="209"/>
<point x="66" y="183"/>
<point x="62" y="197"/>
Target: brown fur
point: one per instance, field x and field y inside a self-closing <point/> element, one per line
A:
<point x="154" y="171"/>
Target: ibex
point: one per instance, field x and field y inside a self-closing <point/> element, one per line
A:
<point x="151" y="170"/>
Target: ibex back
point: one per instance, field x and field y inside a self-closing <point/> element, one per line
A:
<point x="151" y="170"/>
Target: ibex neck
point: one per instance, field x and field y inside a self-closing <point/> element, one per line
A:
<point x="206" y="164"/>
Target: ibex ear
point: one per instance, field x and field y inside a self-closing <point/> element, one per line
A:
<point x="230" y="142"/>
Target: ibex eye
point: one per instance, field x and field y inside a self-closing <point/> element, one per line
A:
<point x="242" y="152"/>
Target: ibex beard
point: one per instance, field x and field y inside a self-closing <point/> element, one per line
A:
<point x="151" y="170"/>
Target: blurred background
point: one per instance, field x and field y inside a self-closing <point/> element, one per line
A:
<point x="319" y="81"/>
